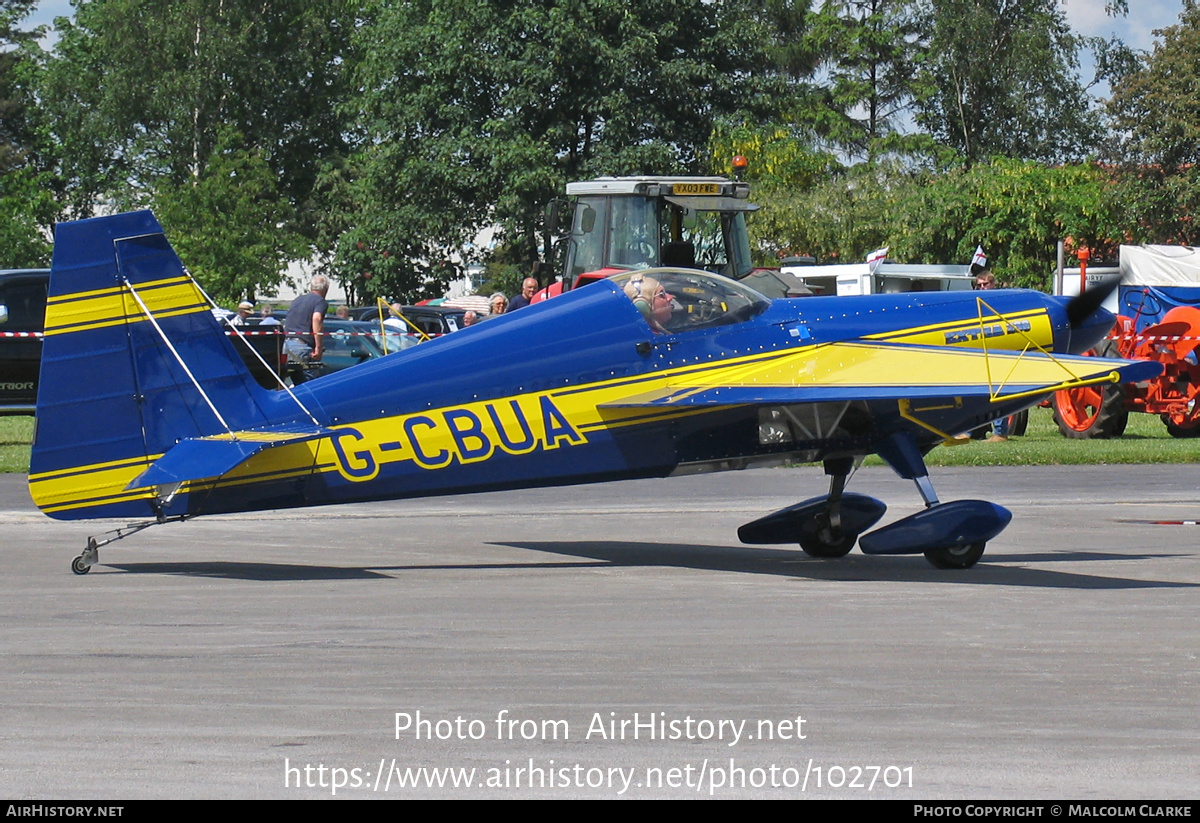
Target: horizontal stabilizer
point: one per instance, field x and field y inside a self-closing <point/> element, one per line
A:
<point x="856" y="371"/>
<point x="205" y="457"/>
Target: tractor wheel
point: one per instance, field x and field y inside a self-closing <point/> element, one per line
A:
<point x="1095" y="412"/>
<point x="1091" y="412"/>
<point x="1179" y="425"/>
<point x="1018" y="423"/>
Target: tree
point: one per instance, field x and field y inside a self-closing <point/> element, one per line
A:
<point x="478" y="113"/>
<point x="1001" y="79"/>
<point x="14" y="102"/>
<point x="871" y="51"/>
<point x="1156" y="114"/>
<point x="27" y="204"/>
<point x="176" y="77"/>
<point x="225" y="223"/>
<point x="777" y="155"/>
<point x="1017" y="210"/>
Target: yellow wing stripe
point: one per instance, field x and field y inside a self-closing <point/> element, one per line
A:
<point x="865" y="364"/>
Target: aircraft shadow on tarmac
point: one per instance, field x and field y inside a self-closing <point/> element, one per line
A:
<point x="738" y="559"/>
<point x="246" y="571"/>
<point x="790" y="563"/>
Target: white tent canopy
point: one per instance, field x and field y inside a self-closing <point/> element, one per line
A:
<point x="1160" y="266"/>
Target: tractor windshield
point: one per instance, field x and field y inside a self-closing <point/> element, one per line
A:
<point x="637" y="232"/>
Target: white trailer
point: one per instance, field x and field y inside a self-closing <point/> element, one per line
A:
<point x="885" y="278"/>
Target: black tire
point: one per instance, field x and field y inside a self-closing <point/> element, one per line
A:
<point x="1092" y="412"/>
<point x="824" y="543"/>
<point x="1018" y="423"/>
<point x="1079" y="416"/>
<point x="1176" y="430"/>
<point x="78" y="567"/>
<point x="956" y="557"/>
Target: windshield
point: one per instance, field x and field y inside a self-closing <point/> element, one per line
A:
<point x="679" y="300"/>
<point x="634" y="232"/>
<point x="711" y="240"/>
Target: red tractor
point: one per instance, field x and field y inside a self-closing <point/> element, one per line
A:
<point x="1160" y="283"/>
<point x="622" y="223"/>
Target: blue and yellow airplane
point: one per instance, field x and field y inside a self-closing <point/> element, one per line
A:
<point x="147" y="412"/>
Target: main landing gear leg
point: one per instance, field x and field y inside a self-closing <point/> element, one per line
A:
<point x="826" y="526"/>
<point x="950" y="535"/>
<point x="826" y="535"/>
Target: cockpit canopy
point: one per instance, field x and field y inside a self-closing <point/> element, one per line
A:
<point x="700" y="299"/>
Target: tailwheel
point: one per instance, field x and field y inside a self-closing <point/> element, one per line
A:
<point x="956" y="557"/>
<point x="91" y="555"/>
<point x="822" y="540"/>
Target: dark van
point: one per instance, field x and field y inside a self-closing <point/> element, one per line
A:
<point x="22" y="318"/>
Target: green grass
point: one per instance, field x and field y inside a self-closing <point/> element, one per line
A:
<point x="1145" y="441"/>
<point x="16" y="433"/>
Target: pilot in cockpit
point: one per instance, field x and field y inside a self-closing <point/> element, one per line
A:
<point x="652" y="300"/>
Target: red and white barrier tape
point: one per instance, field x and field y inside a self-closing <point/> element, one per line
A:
<point x="38" y="335"/>
<point x="1153" y="338"/>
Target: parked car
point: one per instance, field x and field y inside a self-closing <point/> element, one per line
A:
<point x="347" y="343"/>
<point x="432" y="320"/>
<point x="22" y="320"/>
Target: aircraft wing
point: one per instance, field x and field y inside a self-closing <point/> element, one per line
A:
<point x="883" y="371"/>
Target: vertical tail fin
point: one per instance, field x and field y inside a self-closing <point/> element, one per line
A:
<point x="133" y="362"/>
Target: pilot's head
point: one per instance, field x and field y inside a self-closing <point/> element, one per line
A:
<point x="649" y="297"/>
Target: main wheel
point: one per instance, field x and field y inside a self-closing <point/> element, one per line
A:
<point x="956" y="557"/>
<point x="824" y="542"/>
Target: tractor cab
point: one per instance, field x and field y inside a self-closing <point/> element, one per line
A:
<point x="628" y="223"/>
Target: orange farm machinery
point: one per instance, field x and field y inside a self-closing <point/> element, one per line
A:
<point x="1158" y="307"/>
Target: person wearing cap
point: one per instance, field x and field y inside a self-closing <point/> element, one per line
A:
<point x="244" y="310"/>
<point x="650" y="297"/>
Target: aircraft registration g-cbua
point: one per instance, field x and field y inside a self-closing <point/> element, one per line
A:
<point x="146" y="411"/>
